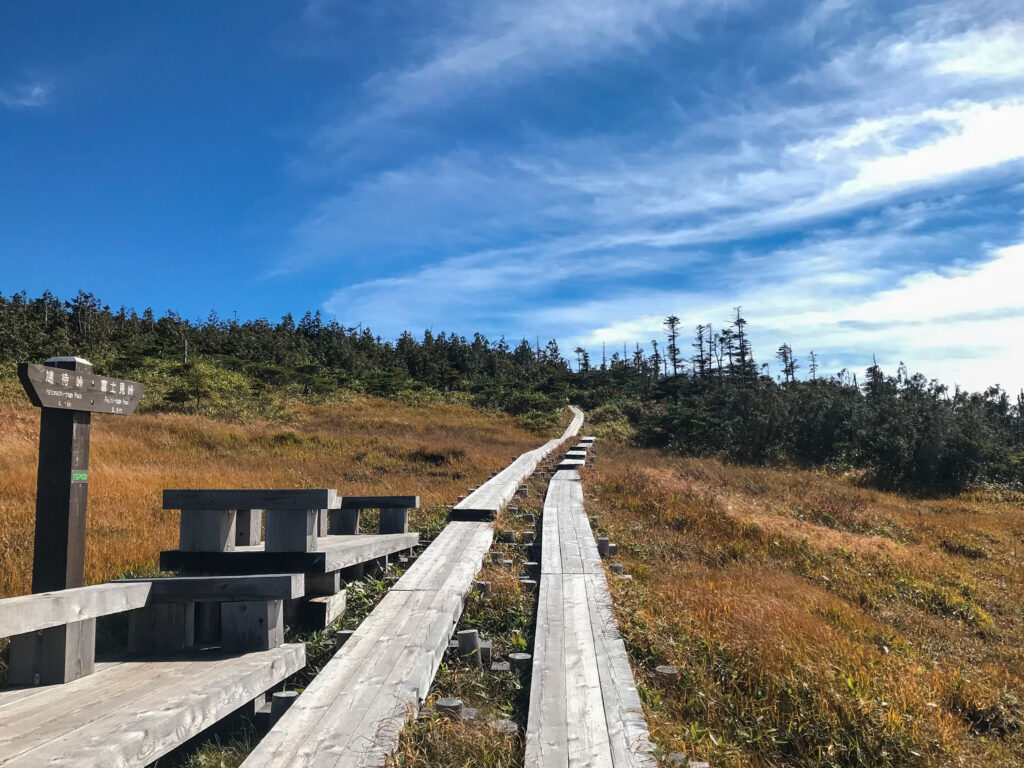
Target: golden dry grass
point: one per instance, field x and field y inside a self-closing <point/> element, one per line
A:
<point x="362" y="446"/>
<point x="817" y="622"/>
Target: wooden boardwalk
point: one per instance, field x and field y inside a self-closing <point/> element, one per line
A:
<point x="351" y="715"/>
<point x="584" y="708"/>
<point x="485" y="501"/>
<point x="134" y="712"/>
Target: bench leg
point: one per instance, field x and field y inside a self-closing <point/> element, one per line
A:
<point x="320" y="584"/>
<point x="162" y="628"/>
<point x="55" y="655"/>
<point x="249" y="527"/>
<point x="207" y="626"/>
<point x="344" y="522"/>
<point x="252" y="626"/>
<point x="394" y="521"/>
<point x="289" y="531"/>
<point x="207" y="530"/>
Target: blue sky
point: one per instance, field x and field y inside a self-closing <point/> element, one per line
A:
<point x="848" y="171"/>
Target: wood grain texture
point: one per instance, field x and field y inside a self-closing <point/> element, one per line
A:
<point x="130" y="714"/>
<point x="207" y="530"/>
<point x="320" y="612"/>
<point x="279" y="586"/>
<point x="585" y="711"/>
<point x="29" y="613"/>
<point x="380" y="502"/>
<point x="333" y="553"/>
<point x="297" y="500"/>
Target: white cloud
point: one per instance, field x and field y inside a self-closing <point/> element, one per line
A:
<point x="990" y="52"/>
<point x="888" y="136"/>
<point x="27" y="95"/>
<point x="964" y="325"/>
<point x="505" y="42"/>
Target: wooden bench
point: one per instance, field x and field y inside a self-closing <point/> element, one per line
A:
<point x="394" y="513"/>
<point x="77" y="712"/>
<point x="584" y="706"/>
<point x="218" y="520"/>
<point x="314" y="532"/>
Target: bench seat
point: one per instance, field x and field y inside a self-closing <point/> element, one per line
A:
<point x="333" y="554"/>
<point x="131" y="713"/>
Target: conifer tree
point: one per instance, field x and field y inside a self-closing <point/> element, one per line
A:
<point x="672" y="326"/>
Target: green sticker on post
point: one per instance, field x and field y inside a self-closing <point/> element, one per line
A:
<point x="79" y="477"/>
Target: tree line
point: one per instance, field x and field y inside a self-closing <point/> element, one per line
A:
<point x="711" y="398"/>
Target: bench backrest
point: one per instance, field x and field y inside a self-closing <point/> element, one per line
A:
<point x="218" y="520"/>
<point x="394" y="513"/>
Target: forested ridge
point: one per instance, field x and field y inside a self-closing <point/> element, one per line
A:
<point x="710" y="397"/>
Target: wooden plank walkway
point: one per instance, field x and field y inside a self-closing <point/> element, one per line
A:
<point x="132" y="713"/>
<point x="351" y="715"/>
<point x="486" y="500"/>
<point x="584" y="708"/>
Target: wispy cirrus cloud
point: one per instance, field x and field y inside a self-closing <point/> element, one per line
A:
<point x="885" y="140"/>
<point x="500" y="44"/>
<point x="27" y="94"/>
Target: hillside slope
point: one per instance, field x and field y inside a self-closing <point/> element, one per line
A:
<point x="362" y="446"/>
<point x="817" y="622"/>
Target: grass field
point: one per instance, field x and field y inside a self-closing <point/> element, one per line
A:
<point x="361" y="446"/>
<point x="817" y="622"/>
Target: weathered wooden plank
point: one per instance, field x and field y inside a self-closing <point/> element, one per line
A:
<point x="298" y="500"/>
<point x="370" y="720"/>
<point x="162" y="628"/>
<point x="333" y="553"/>
<point x="353" y="711"/>
<point x="306" y="717"/>
<point x="54" y="655"/>
<point x="256" y="625"/>
<point x="26" y="723"/>
<point x="137" y="731"/>
<point x="547" y="730"/>
<point x="207" y="530"/>
<point x="280" y="586"/>
<point x="434" y="563"/>
<point x="595" y="719"/>
<point x="380" y="502"/>
<point x="29" y="613"/>
<point x="321" y="612"/>
<point x="627" y="728"/>
<point x="369" y="713"/>
<point x="587" y="731"/>
<point x="290" y="531"/>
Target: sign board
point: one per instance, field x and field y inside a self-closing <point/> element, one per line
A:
<point x="50" y="387"/>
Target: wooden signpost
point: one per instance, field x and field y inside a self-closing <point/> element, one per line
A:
<point x="68" y="392"/>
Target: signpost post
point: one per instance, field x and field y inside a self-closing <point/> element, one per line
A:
<point x="68" y="392"/>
